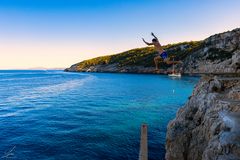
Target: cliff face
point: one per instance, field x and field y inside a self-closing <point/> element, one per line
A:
<point x="208" y="126"/>
<point x="218" y="53"/>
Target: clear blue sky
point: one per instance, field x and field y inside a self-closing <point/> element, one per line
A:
<point x="58" y="33"/>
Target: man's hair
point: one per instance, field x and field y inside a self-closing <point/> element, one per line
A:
<point x="154" y="40"/>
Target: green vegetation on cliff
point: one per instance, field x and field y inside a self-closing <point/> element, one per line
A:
<point x="218" y="54"/>
<point x="143" y="56"/>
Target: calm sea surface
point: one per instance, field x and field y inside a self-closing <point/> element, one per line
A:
<point x="91" y="116"/>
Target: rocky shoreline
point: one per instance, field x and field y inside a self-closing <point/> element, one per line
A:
<point x="207" y="127"/>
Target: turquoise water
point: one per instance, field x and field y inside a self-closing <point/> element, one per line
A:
<point x="59" y="115"/>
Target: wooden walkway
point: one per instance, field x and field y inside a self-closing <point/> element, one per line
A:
<point x="143" y="154"/>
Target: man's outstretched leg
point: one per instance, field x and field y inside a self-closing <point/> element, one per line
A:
<point x="156" y="61"/>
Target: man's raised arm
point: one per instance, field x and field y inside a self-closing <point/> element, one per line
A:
<point x="147" y="42"/>
<point x="154" y="35"/>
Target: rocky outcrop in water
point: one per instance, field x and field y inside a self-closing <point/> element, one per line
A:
<point x="113" y="68"/>
<point x="208" y="126"/>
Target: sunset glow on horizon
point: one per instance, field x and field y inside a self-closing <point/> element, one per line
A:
<point x="58" y="33"/>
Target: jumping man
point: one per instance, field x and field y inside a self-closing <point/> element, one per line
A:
<point x="162" y="55"/>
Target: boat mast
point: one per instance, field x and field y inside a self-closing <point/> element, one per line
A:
<point x="173" y="70"/>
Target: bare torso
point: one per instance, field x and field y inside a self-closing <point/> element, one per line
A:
<point x="158" y="47"/>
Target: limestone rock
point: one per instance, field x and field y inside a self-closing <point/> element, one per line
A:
<point x="208" y="126"/>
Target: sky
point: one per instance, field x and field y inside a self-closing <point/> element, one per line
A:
<point x="59" y="33"/>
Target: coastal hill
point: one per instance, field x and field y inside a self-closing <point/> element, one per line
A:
<point x="218" y="53"/>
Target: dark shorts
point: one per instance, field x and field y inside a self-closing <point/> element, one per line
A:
<point x="164" y="55"/>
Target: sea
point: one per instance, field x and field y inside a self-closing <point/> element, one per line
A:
<point x="57" y="115"/>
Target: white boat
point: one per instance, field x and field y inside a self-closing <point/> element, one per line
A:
<point x="174" y="74"/>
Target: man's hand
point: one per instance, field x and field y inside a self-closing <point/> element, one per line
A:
<point x="154" y="35"/>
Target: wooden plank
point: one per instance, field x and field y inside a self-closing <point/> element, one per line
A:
<point x="143" y="154"/>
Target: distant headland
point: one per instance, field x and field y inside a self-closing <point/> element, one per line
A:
<point x="218" y="53"/>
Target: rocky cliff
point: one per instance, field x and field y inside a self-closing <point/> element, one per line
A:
<point x="218" y="53"/>
<point x="208" y="126"/>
